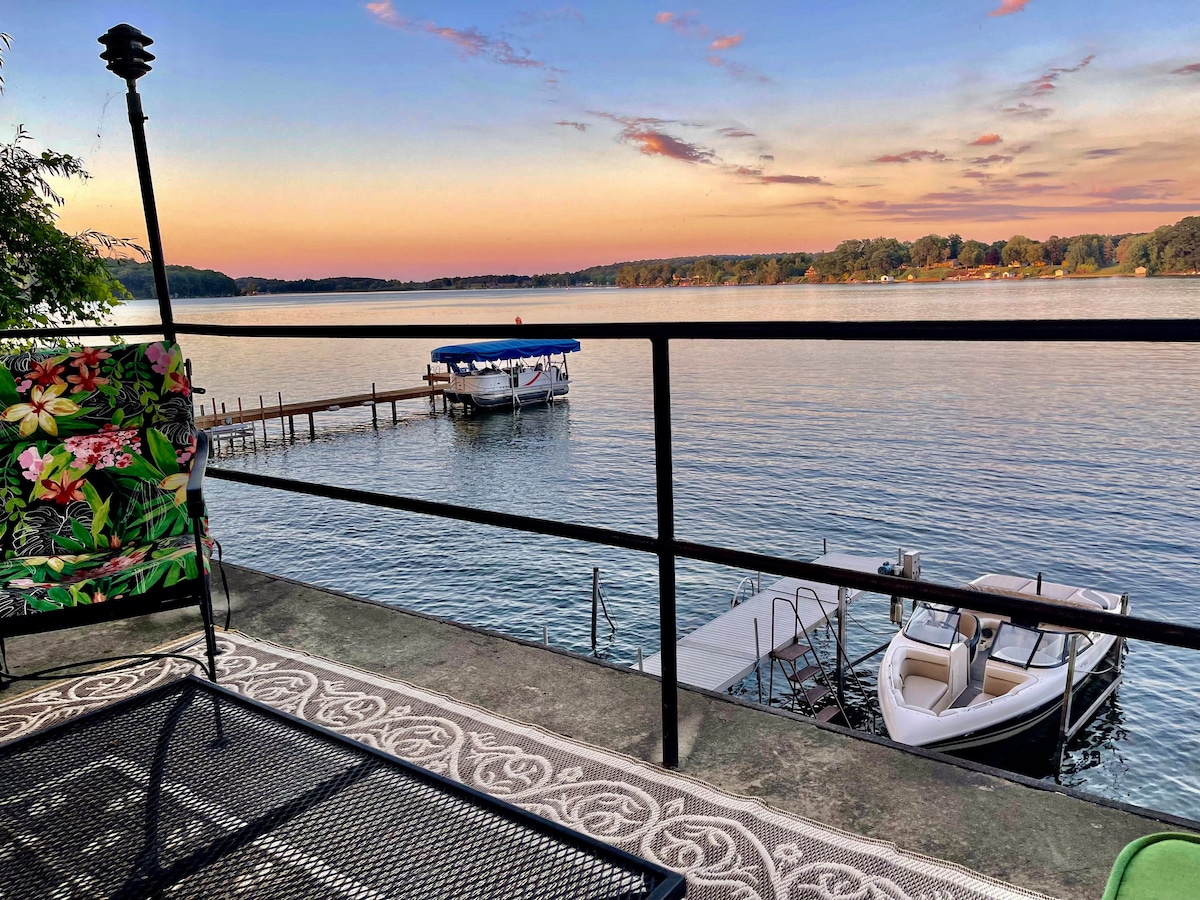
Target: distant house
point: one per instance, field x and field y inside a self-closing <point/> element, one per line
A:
<point x="1140" y="272"/>
<point x="886" y="279"/>
<point x="1059" y="273"/>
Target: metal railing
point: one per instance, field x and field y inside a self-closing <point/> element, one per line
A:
<point x="664" y="544"/>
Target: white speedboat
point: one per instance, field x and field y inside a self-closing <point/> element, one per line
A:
<point x="493" y="374"/>
<point x="954" y="678"/>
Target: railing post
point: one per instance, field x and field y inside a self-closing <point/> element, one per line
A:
<point x="595" y="603"/>
<point x="665" y="495"/>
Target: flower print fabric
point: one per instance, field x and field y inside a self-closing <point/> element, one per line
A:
<point x="96" y="444"/>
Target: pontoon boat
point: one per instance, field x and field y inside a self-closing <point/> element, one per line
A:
<point x="506" y="373"/>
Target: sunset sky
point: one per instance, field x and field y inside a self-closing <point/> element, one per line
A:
<point x="407" y="139"/>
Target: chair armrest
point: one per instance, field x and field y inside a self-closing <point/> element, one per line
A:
<point x="195" y="505"/>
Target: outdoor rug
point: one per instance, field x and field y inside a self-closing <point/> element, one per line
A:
<point x="729" y="847"/>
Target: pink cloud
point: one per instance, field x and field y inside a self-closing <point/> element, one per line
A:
<point x="1193" y="69"/>
<point x="913" y="155"/>
<point x="986" y="140"/>
<point x="682" y="23"/>
<point x="725" y="42"/>
<point x="653" y="142"/>
<point x="470" y="41"/>
<point x="1008" y="7"/>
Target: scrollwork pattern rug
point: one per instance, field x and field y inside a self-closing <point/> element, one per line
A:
<point x="729" y="847"/>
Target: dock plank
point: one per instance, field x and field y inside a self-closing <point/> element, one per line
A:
<point x="304" y="407"/>
<point x="721" y="652"/>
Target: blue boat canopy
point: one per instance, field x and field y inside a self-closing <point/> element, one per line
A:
<point x="492" y="351"/>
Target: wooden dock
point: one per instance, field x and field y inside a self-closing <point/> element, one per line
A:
<point x="720" y="653"/>
<point x="231" y="422"/>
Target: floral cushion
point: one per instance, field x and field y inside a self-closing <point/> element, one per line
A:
<point x="96" y="444"/>
<point x="30" y="584"/>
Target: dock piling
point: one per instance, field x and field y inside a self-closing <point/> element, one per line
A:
<point x="758" y="661"/>
<point x="282" y="424"/>
<point x="312" y="428"/>
<point x="1064" y="722"/>
<point x="595" y="603"/>
<point x="262" y="418"/>
<point x="841" y="644"/>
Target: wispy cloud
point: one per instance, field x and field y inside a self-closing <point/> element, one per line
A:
<point x="1149" y="191"/>
<point x="654" y="142"/>
<point x="1045" y="82"/>
<point x="682" y="23"/>
<point x="1025" y="110"/>
<point x="1008" y="7"/>
<point x="731" y="132"/>
<point x="725" y="42"/>
<point x="578" y="126"/>
<point x="994" y="159"/>
<point x="792" y="179"/>
<point x="913" y="156"/>
<point x="537" y="16"/>
<point x="1034" y="175"/>
<point x="469" y="41"/>
<point x="1104" y="152"/>
<point x="1193" y="69"/>
<point x="986" y="140"/>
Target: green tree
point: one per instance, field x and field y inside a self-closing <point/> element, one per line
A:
<point x="48" y="277"/>
<point x="627" y="277"/>
<point x="971" y="254"/>
<point x="1014" y="251"/>
<point x="928" y="250"/>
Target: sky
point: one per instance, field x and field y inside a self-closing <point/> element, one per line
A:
<point x="414" y="139"/>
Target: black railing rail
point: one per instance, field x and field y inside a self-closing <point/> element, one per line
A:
<point x="665" y="545"/>
<point x="1135" y="627"/>
<point x="1103" y="330"/>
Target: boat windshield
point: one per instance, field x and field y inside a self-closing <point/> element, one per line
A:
<point x="933" y="625"/>
<point x="1030" y="647"/>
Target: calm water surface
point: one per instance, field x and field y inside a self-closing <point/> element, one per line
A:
<point x="1077" y="460"/>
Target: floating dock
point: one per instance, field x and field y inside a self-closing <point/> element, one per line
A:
<point x="720" y="653"/>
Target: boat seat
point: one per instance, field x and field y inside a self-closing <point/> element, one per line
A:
<point x="918" y="690"/>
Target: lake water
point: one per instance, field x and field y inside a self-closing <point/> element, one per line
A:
<point x="1080" y="461"/>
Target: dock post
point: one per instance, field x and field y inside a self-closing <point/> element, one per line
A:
<point x="394" y="419"/>
<point x="262" y="418"/>
<point x="282" y="424"/>
<point x="429" y="378"/>
<point x="665" y="501"/>
<point x="757" y="661"/>
<point x="292" y="426"/>
<point x="595" y="603"/>
<point x="841" y="645"/>
<point x="1064" y="723"/>
<point x="545" y="636"/>
<point x="374" y="408"/>
<point x="312" y="428"/>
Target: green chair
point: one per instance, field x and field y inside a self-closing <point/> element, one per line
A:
<point x="1157" y="867"/>
<point x="101" y="514"/>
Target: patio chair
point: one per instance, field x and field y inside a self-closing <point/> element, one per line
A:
<point x="1164" y="866"/>
<point x="101" y="516"/>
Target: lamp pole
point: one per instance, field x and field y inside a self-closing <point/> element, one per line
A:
<point x="127" y="58"/>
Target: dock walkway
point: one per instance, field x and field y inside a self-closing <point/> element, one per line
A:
<point x="720" y="653"/>
<point x="308" y="407"/>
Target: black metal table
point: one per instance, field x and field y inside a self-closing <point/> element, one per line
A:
<point x="190" y="790"/>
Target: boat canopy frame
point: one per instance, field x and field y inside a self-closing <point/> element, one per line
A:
<point x="496" y="351"/>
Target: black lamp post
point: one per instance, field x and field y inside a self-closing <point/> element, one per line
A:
<point x="127" y="57"/>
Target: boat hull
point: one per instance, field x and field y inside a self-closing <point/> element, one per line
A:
<point x="497" y="390"/>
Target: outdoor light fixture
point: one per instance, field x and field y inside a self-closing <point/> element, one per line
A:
<point x="127" y="58"/>
<point x="126" y="55"/>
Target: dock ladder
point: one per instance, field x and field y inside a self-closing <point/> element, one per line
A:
<point x="806" y="666"/>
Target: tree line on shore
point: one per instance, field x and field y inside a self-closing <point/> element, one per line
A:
<point x="1169" y="249"/>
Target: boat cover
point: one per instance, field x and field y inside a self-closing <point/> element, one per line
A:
<point x="491" y="351"/>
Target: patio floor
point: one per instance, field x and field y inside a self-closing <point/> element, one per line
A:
<point x="1037" y="839"/>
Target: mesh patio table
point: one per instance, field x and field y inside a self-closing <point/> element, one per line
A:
<point x="190" y="790"/>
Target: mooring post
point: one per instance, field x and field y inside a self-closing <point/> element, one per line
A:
<point x="665" y="497"/>
<point x="312" y="427"/>
<point x="282" y="424"/>
<point x="841" y="644"/>
<point x="374" y="408"/>
<point x="595" y="602"/>
<point x="262" y="418"/>
<point x="394" y="419"/>
<point x="757" y="661"/>
<point x="429" y="378"/>
<point x="1064" y="723"/>
<point x="545" y="636"/>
